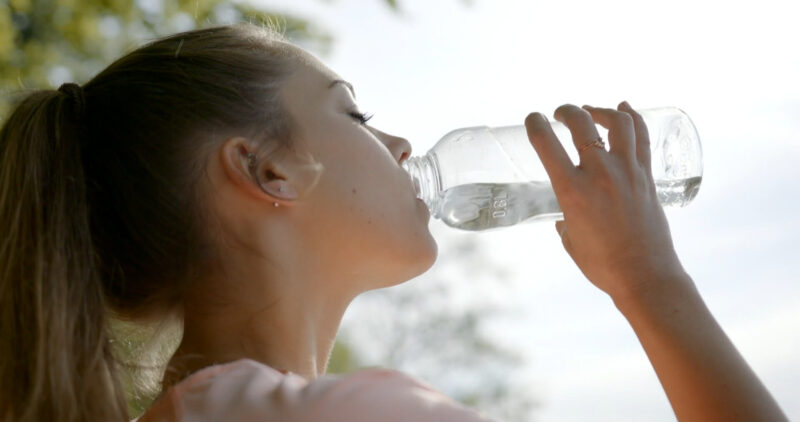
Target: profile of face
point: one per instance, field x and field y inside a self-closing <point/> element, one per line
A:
<point x="353" y="214"/>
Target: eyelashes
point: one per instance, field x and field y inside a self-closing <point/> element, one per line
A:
<point x="361" y="118"/>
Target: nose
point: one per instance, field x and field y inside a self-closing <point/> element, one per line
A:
<point x="399" y="147"/>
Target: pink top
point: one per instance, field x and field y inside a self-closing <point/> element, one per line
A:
<point x="246" y="390"/>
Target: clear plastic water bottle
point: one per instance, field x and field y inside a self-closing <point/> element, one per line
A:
<point x="481" y="178"/>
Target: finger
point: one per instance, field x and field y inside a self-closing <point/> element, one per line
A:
<point x="621" y="135"/>
<point x="581" y="126"/>
<point x="642" y="136"/>
<point x="554" y="158"/>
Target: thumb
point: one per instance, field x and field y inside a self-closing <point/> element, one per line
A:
<point x="561" y="228"/>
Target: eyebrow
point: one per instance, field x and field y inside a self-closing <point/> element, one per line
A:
<point x="345" y="83"/>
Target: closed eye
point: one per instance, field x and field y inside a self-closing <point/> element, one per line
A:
<point x="362" y="118"/>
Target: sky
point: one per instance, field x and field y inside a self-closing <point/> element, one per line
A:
<point x="732" y="66"/>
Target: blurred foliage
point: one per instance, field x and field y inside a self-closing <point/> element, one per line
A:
<point x="44" y="43"/>
<point x="343" y="359"/>
<point x="438" y="328"/>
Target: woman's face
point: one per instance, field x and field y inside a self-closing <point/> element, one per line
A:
<point x="363" y="213"/>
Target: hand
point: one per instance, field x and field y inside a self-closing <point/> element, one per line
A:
<point x="614" y="227"/>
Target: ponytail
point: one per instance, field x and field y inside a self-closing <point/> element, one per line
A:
<point x="103" y="207"/>
<point x="56" y="361"/>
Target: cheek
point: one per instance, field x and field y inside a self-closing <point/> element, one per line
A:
<point x="368" y="200"/>
<point x="366" y="179"/>
<point x="362" y="183"/>
<point x="370" y="216"/>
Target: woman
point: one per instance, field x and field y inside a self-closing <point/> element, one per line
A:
<point x="229" y="176"/>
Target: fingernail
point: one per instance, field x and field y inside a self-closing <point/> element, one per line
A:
<point x="625" y="103"/>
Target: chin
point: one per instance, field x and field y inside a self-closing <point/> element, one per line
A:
<point x="389" y="256"/>
<point x="423" y="256"/>
<point x="433" y="253"/>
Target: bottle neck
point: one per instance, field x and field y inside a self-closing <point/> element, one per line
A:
<point x="424" y="173"/>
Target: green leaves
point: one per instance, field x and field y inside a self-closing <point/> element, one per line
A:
<point x="44" y="43"/>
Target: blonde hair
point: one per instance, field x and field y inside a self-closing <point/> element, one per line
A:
<point x="100" y="208"/>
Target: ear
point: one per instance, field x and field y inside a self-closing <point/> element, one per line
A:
<point x="265" y="178"/>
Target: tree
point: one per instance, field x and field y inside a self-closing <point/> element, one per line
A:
<point x="44" y="43"/>
<point x="435" y="327"/>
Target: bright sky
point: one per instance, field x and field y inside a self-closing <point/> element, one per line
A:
<point x="732" y="66"/>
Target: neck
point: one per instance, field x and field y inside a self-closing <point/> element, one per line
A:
<point x="292" y="329"/>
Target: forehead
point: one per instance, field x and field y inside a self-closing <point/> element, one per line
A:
<point x="310" y="70"/>
<point x="306" y="95"/>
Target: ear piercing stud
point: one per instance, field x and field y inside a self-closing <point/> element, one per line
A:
<point x="280" y="189"/>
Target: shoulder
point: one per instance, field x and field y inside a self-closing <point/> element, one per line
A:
<point x="248" y="390"/>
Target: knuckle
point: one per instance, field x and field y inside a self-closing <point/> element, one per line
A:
<point x="635" y="113"/>
<point x="636" y="117"/>
<point x="606" y="185"/>
<point x="575" y="115"/>
<point x="643" y="185"/>
<point x="624" y="119"/>
<point x="607" y="178"/>
<point x="569" y="197"/>
<point x="620" y="120"/>
<point x="636" y="177"/>
<point x="605" y="182"/>
<point x="636" y="183"/>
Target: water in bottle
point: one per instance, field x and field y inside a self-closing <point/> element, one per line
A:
<point x="484" y="178"/>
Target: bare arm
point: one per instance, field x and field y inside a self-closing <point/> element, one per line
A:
<point x="704" y="376"/>
<point x="616" y="232"/>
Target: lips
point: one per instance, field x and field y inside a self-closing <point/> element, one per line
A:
<point x="414" y="187"/>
